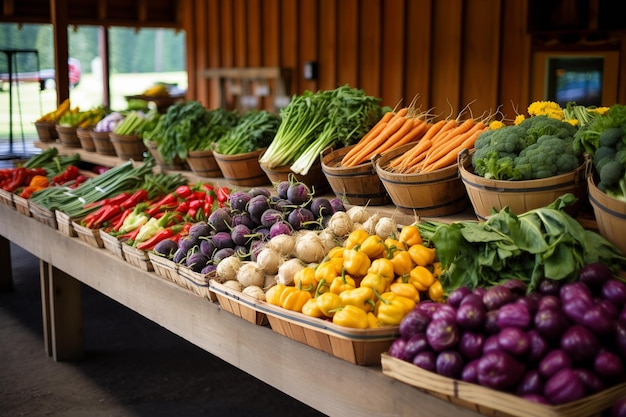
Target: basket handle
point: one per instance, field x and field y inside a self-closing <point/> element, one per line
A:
<point x="461" y="157"/>
<point x="373" y="160"/>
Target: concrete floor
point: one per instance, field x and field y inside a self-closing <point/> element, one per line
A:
<point x="132" y="366"/>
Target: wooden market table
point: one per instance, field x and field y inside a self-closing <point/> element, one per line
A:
<point x="331" y="385"/>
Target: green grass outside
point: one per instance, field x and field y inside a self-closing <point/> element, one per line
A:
<point x="29" y="103"/>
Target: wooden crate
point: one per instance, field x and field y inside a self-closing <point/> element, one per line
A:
<point x="491" y="402"/>
<point x="112" y="244"/>
<point x="6" y="198"/>
<point x="196" y="282"/>
<point x="64" y="224"/>
<point x="239" y="304"/>
<point x="164" y="268"/>
<point x="22" y="205"/>
<point x="358" y="346"/>
<point x="43" y="215"/>
<point x="90" y="236"/>
<point x="137" y="257"/>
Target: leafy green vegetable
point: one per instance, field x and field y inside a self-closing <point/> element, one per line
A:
<point x="314" y="121"/>
<point x="255" y="130"/>
<point x="544" y="242"/>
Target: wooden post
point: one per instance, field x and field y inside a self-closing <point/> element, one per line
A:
<point x="44" y="283"/>
<point x="66" y="320"/>
<point x="6" y="268"/>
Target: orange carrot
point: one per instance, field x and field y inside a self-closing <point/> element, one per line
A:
<point x="447" y="153"/>
<point x="375" y="130"/>
<point x="419" y="149"/>
<point x="455" y="130"/>
<point x="439" y="149"/>
<point x="396" y="122"/>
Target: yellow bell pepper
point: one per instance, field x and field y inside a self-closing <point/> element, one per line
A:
<point x="356" y="237"/>
<point x="336" y="252"/>
<point x="391" y="308"/>
<point x="304" y="279"/>
<point x="422" y="255"/>
<point x="393" y="245"/>
<point x="410" y="235"/>
<point x="372" y="321"/>
<point x="435" y="291"/>
<point x="311" y="309"/>
<point x="404" y="289"/>
<point x="374" y="281"/>
<point x="342" y="283"/>
<point x="294" y="299"/>
<point x="273" y="294"/>
<point x="351" y="316"/>
<point x="328" y="303"/>
<point x="384" y="267"/>
<point x="421" y="278"/>
<point x="373" y="246"/>
<point x="356" y="263"/>
<point x="360" y="297"/>
<point x="436" y="269"/>
<point x="402" y="262"/>
<point x="326" y="272"/>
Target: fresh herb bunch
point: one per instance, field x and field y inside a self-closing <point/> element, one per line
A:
<point x="255" y="130"/>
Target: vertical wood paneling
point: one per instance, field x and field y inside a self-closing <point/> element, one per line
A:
<point x="289" y="39"/>
<point x="213" y="50"/>
<point x="327" y="62"/>
<point x="515" y="64"/>
<point x="240" y="33"/>
<point x="370" y="47"/>
<point x="308" y="39"/>
<point x="347" y="43"/>
<point x="418" y="50"/>
<point x="392" y="53"/>
<point x="480" y="54"/>
<point x="448" y="52"/>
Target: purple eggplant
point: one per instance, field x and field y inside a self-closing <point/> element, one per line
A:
<point x="572" y="290"/>
<point x="598" y="319"/>
<point x="300" y="217"/>
<point x="240" y="235"/>
<point x="491" y="325"/>
<point x="414" y="345"/>
<point x="166" y="248"/>
<point x="531" y="383"/>
<point x="550" y="323"/>
<point x="538" y="346"/>
<point x="397" y="348"/>
<point x="298" y="193"/>
<point x="471" y="316"/>
<point x="614" y="290"/>
<point x="180" y="256"/>
<point x="238" y="200"/>
<point x="595" y="274"/>
<point x="513" y="315"/>
<point x="196" y="261"/>
<point x="337" y="205"/>
<point x="497" y="296"/>
<point x="619" y="338"/>
<point x="457" y="295"/>
<point x="491" y="344"/>
<point x="517" y="286"/>
<point x="223" y="240"/>
<point x="255" y="191"/>
<point x="220" y="220"/>
<point x="514" y="341"/>
<point x="446" y="312"/>
<point x="280" y="228"/>
<point x="470" y="372"/>
<point x="576" y="307"/>
<point x="271" y="216"/>
<point x="579" y="343"/>
<point x="414" y="322"/>
<point x="243" y="218"/>
<point x="222" y="254"/>
<point x="256" y="206"/>
<point x="281" y="189"/>
<point x="449" y="363"/>
<point x="549" y="286"/>
<point x="535" y="398"/>
<point x="442" y="334"/>
<point x="471" y="345"/>
<point x="563" y="387"/>
<point x="208" y="269"/>
<point x="187" y="243"/>
<point x="320" y="207"/>
<point x="618" y="409"/>
<point x="549" y="301"/>
<point x="553" y="362"/>
<point x="426" y="360"/>
<point x="428" y="307"/>
<point x="608" y="366"/>
<point x="200" y="229"/>
<point x="499" y="370"/>
<point x="207" y="247"/>
<point x="592" y="382"/>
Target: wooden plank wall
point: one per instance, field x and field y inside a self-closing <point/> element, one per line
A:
<point x="446" y="55"/>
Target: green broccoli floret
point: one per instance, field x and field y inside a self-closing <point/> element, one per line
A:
<point x="538" y="126"/>
<point x="611" y="136"/>
<point x="495" y="151"/>
<point x="611" y="173"/>
<point x="548" y="157"/>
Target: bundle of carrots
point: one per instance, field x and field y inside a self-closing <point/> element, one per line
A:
<point x="439" y="146"/>
<point x="394" y="129"/>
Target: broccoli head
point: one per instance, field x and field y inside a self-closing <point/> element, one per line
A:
<point x="548" y="157"/>
<point x="538" y="126"/>
<point x="495" y="151"/>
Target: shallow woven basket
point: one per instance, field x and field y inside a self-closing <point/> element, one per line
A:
<point x="242" y="169"/>
<point x="102" y="142"/>
<point x="128" y="146"/>
<point x="203" y="164"/>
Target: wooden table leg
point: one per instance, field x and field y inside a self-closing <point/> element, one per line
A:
<point x="66" y="319"/>
<point x="44" y="279"/>
<point x="6" y="268"/>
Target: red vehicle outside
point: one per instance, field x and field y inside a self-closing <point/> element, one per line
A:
<point x="45" y="77"/>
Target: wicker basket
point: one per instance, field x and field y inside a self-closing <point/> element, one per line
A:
<point x="102" y="142"/>
<point x="137" y="257"/>
<point x="43" y="215"/>
<point x="89" y="236"/>
<point x="112" y="244"/>
<point x="46" y="131"/>
<point x="177" y="163"/>
<point x="359" y="185"/>
<point x="197" y="282"/>
<point x="495" y="403"/>
<point x="6" y="198"/>
<point x="86" y="141"/>
<point x="239" y="304"/>
<point x="314" y="179"/>
<point x="68" y="136"/>
<point x="610" y="215"/>
<point x="203" y="164"/>
<point x="64" y="224"/>
<point x="164" y="268"/>
<point x="243" y="169"/>
<point x="22" y="205"/>
<point x="520" y="196"/>
<point x="128" y="146"/>
<point x="437" y="193"/>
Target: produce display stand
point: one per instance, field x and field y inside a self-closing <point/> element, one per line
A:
<point x="329" y="384"/>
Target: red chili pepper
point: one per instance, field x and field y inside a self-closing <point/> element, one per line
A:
<point x="79" y="180"/>
<point x="199" y="195"/>
<point x="137" y="197"/>
<point x="208" y="186"/>
<point x="19" y="177"/>
<point x="70" y="173"/>
<point x="169" y="200"/>
<point x="183" y="207"/>
<point x="110" y="212"/>
<point x="222" y="195"/>
<point x="121" y="220"/>
<point x="183" y="191"/>
<point x="209" y="199"/>
<point x="166" y="233"/>
<point x="118" y="199"/>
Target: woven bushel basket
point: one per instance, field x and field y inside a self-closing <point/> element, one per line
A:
<point x="128" y="146"/>
<point x="610" y="215"/>
<point x="86" y="141"/>
<point x="68" y="136"/>
<point x="242" y="169"/>
<point x="102" y="142"/>
<point x="203" y="164"/>
<point x="46" y="131"/>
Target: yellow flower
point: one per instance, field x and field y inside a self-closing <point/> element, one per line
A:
<point x="573" y="122"/>
<point x="519" y="119"/>
<point x="546" y="108"/>
<point x="495" y="124"/>
<point x="599" y="110"/>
